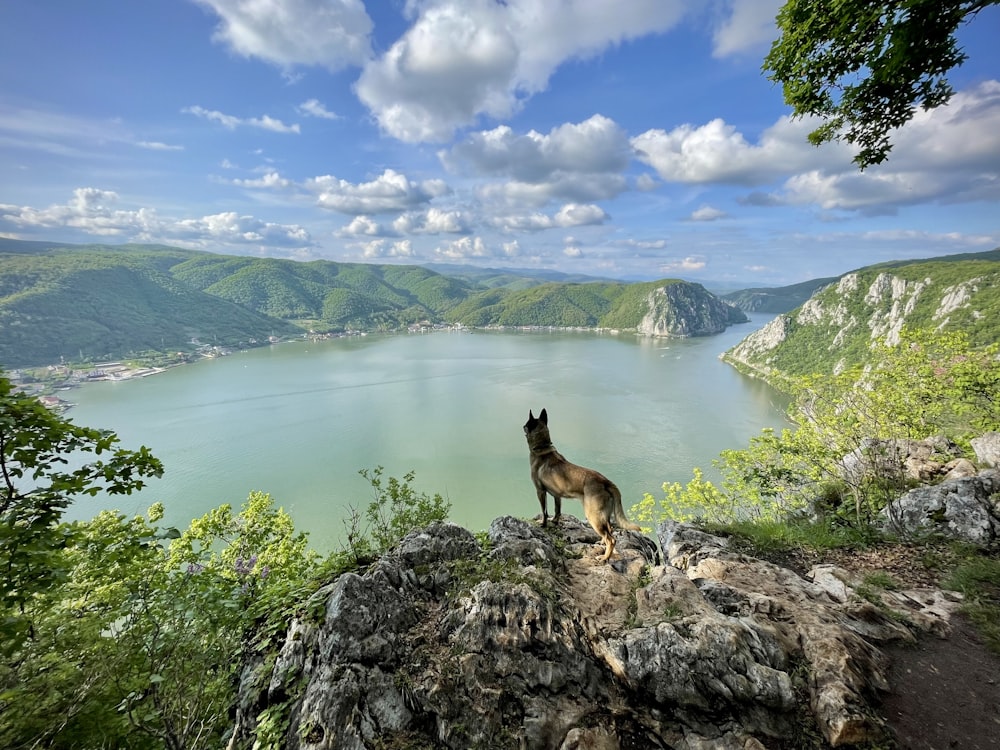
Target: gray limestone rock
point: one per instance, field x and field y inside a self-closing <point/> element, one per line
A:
<point x="964" y="509"/>
<point x="535" y="643"/>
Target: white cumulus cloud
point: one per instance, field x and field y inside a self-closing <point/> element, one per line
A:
<point x="463" y="59"/>
<point x="390" y="192"/>
<point x="330" y="33"/>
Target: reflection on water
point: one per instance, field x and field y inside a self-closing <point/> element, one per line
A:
<point x="299" y="420"/>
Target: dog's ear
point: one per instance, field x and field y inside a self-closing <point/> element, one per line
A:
<point x="530" y="415"/>
<point x="543" y="417"/>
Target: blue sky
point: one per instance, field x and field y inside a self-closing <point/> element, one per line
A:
<point x="620" y="138"/>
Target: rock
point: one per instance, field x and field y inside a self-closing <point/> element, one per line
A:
<point x="961" y="509"/>
<point x="987" y="449"/>
<point x="919" y="460"/>
<point x="536" y="644"/>
<point x="685" y="309"/>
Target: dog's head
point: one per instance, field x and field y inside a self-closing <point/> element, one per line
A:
<point x="537" y="429"/>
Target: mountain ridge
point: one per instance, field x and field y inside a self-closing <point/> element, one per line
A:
<point x="61" y="301"/>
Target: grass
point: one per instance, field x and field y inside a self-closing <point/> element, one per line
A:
<point x="977" y="577"/>
<point x="782" y="536"/>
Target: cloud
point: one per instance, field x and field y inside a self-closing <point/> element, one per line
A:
<point x="92" y="211"/>
<point x="157" y="146"/>
<point x="333" y="34"/>
<point x="573" y="251"/>
<point x="465" y="58"/>
<point x="270" y="180"/>
<point x="596" y="145"/>
<point x="949" y="155"/>
<point x="390" y="192"/>
<point x="749" y="27"/>
<point x="576" y="162"/>
<point x="643" y="244"/>
<point x="265" y="122"/>
<point x="461" y="249"/>
<point x="717" y="153"/>
<point x="690" y="263"/>
<point x="570" y="215"/>
<point x="432" y="221"/>
<point x="707" y="213"/>
<point x="362" y="226"/>
<point x="313" y="108"/>
<point x="386" y="249"/>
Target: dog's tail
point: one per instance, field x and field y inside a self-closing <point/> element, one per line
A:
<point x="619" y="513"/>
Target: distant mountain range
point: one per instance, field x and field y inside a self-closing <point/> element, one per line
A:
<point x="95" y="302"/>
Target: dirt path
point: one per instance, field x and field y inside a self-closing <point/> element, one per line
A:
<point x="945" y="692"/>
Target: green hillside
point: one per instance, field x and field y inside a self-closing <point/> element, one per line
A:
<point x="92" y="302"/>
<point x="775" y="299"/>
<point x="837" y="326"/>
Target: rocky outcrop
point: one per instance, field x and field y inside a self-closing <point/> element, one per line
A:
<point x="966" y="509"/>
<point x="927" y="460"/>
<point x="683" y="309"/>
<point x="532" y="643"/>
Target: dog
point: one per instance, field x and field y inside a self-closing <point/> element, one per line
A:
<point x="554" y="475"/>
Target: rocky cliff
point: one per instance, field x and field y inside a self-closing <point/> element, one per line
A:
<point x="839" y="323"/>
<point x="526" y="641"/>
<point x="685" y="309"/>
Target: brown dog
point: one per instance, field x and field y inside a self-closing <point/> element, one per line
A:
<point x="553" y="474"/>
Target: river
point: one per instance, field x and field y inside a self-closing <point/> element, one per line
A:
<point x="298" y="420"/>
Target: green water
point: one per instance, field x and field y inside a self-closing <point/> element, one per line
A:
<point x="299" y="420"/>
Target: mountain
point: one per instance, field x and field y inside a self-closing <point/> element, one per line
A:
<point x="776" y="299"/>
<point x="657" y="308"/>
<point x="838" y="324"/>
<point x="89" y="302"/>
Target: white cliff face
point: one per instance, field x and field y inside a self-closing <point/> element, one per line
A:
<point x="754" y="350"/>
<point x="955" y="297"/>
<point x="681" y="310"/>
<point x="901" y="297"/>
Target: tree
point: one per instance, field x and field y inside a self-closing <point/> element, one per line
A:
<point x="37" y="484"/>
<point x="865" y="66"/>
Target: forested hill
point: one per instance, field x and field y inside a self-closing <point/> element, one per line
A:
<point x="838" y="325"/>
<point x="93" y="302"/>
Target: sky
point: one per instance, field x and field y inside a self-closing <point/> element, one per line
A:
<point x="632" y="139"/>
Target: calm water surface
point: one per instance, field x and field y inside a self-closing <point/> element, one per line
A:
<point x="299" y="420"/>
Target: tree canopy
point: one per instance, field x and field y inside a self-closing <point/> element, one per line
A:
<point x="865" y="67"/>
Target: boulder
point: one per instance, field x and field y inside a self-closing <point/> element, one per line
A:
<point x="987" y="449"/>
<point x="965" y="509"/>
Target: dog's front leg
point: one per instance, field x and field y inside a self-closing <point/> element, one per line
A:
<point x="543" y="500"/>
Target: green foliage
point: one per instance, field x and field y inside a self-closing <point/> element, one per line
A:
<point x="117" y="633"/>
<point x="865" y="67"/>
<point x="139" y="645"/>
<point x="397" y="509"/>
<point x="931" y="383"/>
<point x="38" y="484"/>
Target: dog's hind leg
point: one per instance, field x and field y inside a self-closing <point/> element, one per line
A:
<point x="599" y="522"/>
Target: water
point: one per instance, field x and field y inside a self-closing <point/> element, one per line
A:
<point x="299" y="420"/>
